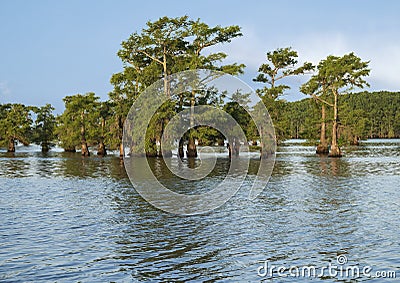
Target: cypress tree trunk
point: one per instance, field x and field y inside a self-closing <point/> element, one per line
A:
<point x="121" y="150"/>
<point x="236" y="147"/>
<point x="264" y="149"/>
<point x="101" y="150"/>
<point x="355" y="140"/>
<point x="45" y="147"/>
<point x="322" y="148"/>
<point x="70" y="149"/>
<point x="335" y="150"/>
<point x="165" y="152"/>
<point x="180" y="148"/>
<point x="191" y="148"/>
<point x="11" y="145"/>
<point x="85" y="150"/>
<point x="229" y="146"/>
<point x="120" y="135"/>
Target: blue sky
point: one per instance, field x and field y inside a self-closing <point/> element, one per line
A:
<point x="50" y="49"/>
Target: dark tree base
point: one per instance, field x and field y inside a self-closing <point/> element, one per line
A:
<point x="181" y="153"/>
<point x="151" y="154"/>
<point x="166" y="153"/>
<point x="101" y="150"/>
<point x="355" y="141"/>
<point x="191" y="153"/>
<point x="11" y="146"/>
<point x="191" y="149"/>
<point x="322" y="149"/>
<point x="45" y="149"/>
<point x="335" y="154"/>
<point x="86" y="154"/>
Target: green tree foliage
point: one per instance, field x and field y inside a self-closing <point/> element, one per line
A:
<point x="101" y="133"/>
<point x="15" y="125"/>
<point x="301" y="120"/>
<point x="77" y="123"/>
<point x="363" y="115"/>
<point x="164" y="47"/>
<point x="281" y="63"/>
<point x="371" y="115"/>
<point x="243" y="118"/>
<point x="335" y="76"/>
<point x="170" y="45"/>
<point x="44" y="128"/>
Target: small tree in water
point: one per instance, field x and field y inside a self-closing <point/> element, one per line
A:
<point x="281" y="63"/>
<point x="44" y="129"/>
<point x="336" y="76"/>
<point x="77" y="121"/>
<point x="15" y="125"/>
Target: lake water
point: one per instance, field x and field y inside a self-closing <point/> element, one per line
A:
<point x="67" y="219"/>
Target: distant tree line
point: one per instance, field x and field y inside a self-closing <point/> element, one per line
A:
<point x="170" y="45"/>
<point x="362" y="115"/>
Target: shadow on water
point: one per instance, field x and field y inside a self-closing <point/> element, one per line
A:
<point x="60" y="164"/>
<point x="327" y="166"/>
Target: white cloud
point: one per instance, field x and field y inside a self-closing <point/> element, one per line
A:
<point x="382" y="50"/>
<point x="5" y="91"/>
<point x="249" y="49"/>
<point x="383" y="54"/>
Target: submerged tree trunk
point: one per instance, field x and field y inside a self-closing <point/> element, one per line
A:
<point x="11" y="145"/>
<point x="85" y="150"/>
<point x="191" y="147"/>
<point x="120" y="136"/>
<point x="323" y="148"/>
<point x="335" y="150"/>
<point x="121" y="150"/>
<point x="101" y="149"/>
<point x="236" y="147"/>
<point x="70" y="149"/>
<point x="180" y="148"/>
<point x="233" y="147"/>
<point x="165" y="151"/>
<point x="264" y="151"/>
<point x="229" y="146"/>
<point x="355" y="140"/>
<point x="45" y="147"/>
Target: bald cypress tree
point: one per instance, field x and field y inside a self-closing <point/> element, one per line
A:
<point x="336" y="76"/>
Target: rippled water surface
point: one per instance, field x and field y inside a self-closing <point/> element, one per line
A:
<point x="67" y="219"/>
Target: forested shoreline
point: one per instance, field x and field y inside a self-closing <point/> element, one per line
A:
<point x="331" y="114"/>
<point x="363" y="115"/>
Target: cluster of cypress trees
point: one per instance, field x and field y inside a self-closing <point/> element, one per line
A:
<point x="170" y="45"/>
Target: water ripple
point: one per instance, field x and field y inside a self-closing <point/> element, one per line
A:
<point x="67" y="219"/>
